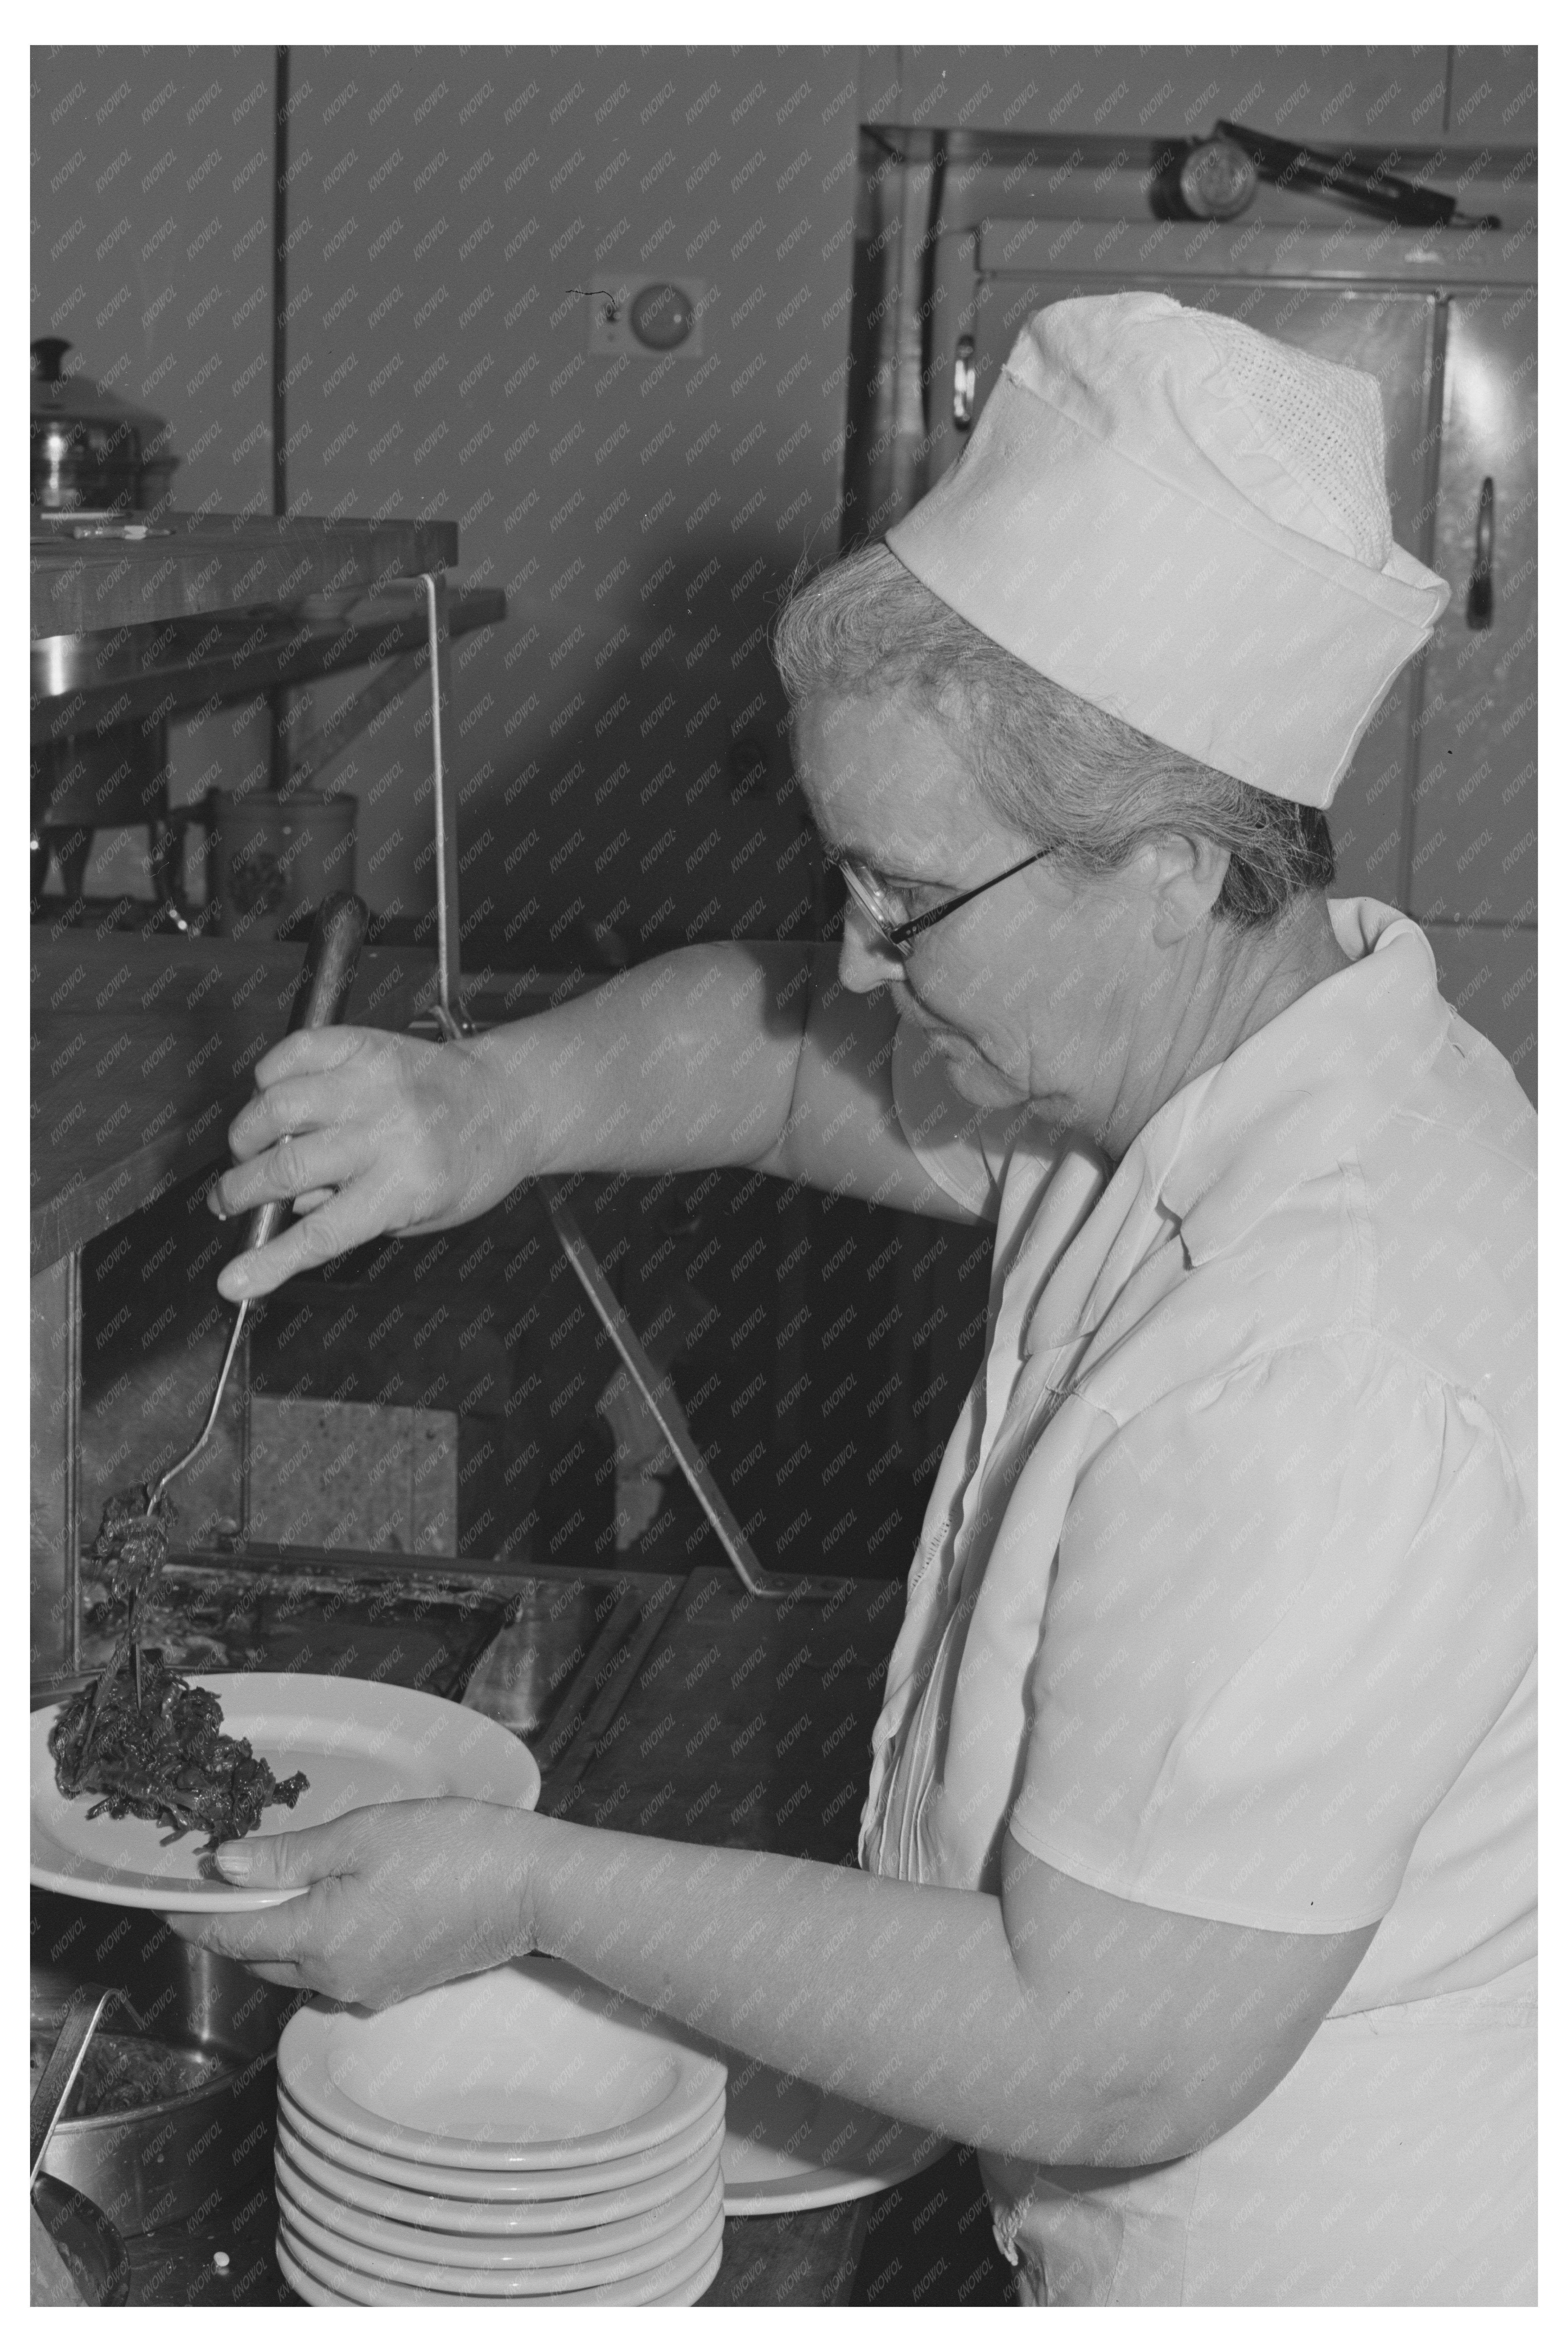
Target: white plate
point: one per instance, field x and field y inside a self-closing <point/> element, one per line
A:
<point x="308" y="2288"/>
<point x="789" y="2146"/>
<point x="597" y="2242"/>
<point x="512" y="2286"/>
<point x="574" y="2184"/>
<point x="494" y="2218"/>
<point x="311" y="2290"/>
<point x="695" y="2285"/>
<point x="670" y="2283"/>
<point x="529" y="2067"/>
<point x="358" y="1743"/>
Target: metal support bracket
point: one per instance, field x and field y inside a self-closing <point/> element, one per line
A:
<point x="450" y="1014"/>
<point x="658" y="1394"/>
<point x="453" y="1021"/>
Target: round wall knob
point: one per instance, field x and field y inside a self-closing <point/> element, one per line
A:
<point x="661" y="316"/>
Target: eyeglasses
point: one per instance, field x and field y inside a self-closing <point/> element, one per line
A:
<point x="885" y="907"/>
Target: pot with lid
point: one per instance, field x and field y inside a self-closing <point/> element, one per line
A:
<point x="92" y="452"/>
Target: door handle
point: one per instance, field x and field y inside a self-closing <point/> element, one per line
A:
<point x="1478" y="603"/>
<point x="964" y="383"/>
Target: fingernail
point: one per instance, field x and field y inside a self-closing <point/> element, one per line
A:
<point x="238" y="1279"/>
<point x="233" y="1861"/>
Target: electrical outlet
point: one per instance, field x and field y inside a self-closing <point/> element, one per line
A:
<point x="649" y="316"/>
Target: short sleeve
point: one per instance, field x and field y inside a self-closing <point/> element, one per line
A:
<point x="1289" y="1603"/>
<point x="961" y="1148"/>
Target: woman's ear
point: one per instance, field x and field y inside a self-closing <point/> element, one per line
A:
<point x="1188" y="876"/>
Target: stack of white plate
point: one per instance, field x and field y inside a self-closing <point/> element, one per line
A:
<point x="518" y="2137"/>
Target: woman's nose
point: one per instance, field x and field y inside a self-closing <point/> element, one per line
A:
<point x="865" y="958"/>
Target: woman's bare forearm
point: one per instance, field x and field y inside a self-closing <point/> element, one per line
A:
<point x="744" y="1054"/>
<point x="1052" y="2022"/>
<point x="687" y="1061"/>
<point x="904" y="1997"/>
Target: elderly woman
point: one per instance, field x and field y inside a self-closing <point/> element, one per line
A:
<point x="1197" y="1860"/>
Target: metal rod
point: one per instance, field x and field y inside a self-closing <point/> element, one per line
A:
<point x="278" y="700"/>
<point x="280" y="113"/>
<point x="449" y="942"/>
<point x="453" y="1020"/>
<point x="245" y="1441"/>
<point x="658" y="1394"/>
<point x="450" y="1014"/>
<point x="438" y="784"/>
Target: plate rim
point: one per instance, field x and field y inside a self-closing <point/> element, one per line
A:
<point x="142" y="1892"/>
<point x="318" y="2024"/>
<point x="683" y="2235"/>
<point x="517" y="2188"/>
<point x="288" y="2262"/>
<point x="587" y="2295"/>
<point x="808" y="2187"/>
<point x="814" y="2187"/>
<point x="704" y="2153"/>
<point x="513" y="2255"/>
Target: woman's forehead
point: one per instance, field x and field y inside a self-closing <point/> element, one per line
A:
<point x="882" y="776"/>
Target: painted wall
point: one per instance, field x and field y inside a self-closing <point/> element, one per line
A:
<point x="151" y="246"/>
<point x="615" y="744"/>
<point x="640" y="513"/>
<point x="151" y="249"/>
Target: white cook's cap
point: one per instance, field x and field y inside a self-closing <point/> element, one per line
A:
<point x="1186" y="522"/>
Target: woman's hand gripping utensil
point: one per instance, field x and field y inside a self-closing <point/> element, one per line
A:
<point x="331" y="958"/>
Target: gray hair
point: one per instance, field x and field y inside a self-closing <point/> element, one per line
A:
<point x="1062" y="772"/>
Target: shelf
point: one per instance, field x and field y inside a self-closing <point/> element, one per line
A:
<point x="161" y="669"/>
<point x="199" y="564"/>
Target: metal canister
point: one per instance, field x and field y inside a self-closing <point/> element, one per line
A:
<point x="273" y="857"/>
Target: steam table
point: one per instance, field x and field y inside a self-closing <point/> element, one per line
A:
<point x="655" y="1657"/>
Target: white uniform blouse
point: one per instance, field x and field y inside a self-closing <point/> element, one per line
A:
<point x="1225" y="1604"/>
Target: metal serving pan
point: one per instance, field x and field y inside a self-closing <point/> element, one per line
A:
<point x="162" y="2161"/>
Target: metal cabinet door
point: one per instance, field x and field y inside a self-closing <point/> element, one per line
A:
<point x="1390" y="335"/>
<point x="1474" y="854"/>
